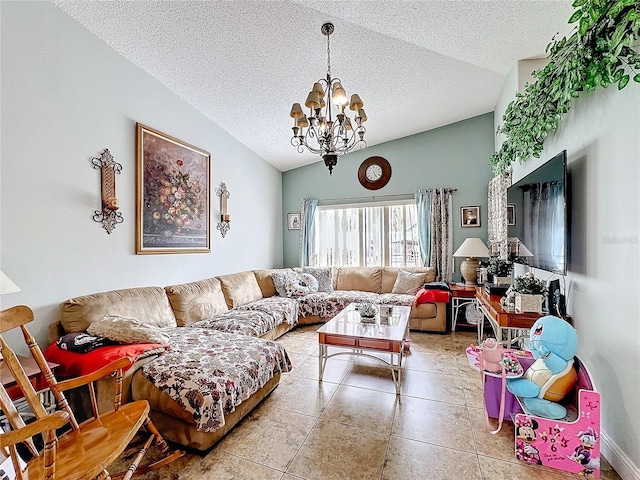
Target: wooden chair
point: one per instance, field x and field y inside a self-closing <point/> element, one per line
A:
<point x="87" y="449"/>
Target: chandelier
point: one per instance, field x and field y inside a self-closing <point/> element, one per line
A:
<point x="320" y="132"/>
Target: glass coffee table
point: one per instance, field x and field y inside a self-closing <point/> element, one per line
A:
<point x="387" y="335"/>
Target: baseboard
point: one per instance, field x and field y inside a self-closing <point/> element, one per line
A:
<point x="618" y="459"/>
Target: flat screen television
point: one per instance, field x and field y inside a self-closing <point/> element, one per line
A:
<point x="538" y="216"/>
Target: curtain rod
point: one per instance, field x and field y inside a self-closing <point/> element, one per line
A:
<point x="397" y="196"/>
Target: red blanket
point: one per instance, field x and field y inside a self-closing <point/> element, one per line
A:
<point x="431" y="296"/>
<point x="73" y="364"/>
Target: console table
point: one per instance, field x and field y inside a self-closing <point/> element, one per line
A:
<point x="460" y="295"/>
<point x="502" y="321"/>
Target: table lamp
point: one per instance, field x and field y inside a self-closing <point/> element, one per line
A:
<point x="472" y="249"/>
<point x="517" y="248"/>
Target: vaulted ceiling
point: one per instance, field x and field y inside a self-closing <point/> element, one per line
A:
<point x="416" y="65"/>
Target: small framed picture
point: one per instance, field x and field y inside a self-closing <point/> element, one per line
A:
<point x="293" y="221"/>
<point x="511" y="214"/>
<point x="470" y="216"/>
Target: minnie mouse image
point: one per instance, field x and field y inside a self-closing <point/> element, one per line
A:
<point x="582" y="453"/>
<point x="525" y="436"/>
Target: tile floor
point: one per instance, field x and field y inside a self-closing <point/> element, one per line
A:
<point x="353" y="426"/>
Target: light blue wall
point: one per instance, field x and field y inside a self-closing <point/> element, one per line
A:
<point x="66" y="96"/>
<point x="601" y="136"/>
<point x="455" y="156"/>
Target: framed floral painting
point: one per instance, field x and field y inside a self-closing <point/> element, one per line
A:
<point x="172" y="194"/>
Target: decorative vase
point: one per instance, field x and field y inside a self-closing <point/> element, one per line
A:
<point x="529" y="303"/>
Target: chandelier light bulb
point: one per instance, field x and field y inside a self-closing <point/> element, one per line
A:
<point x="339" y="95"/>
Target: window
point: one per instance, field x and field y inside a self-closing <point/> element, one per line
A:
<point x="372" y="235"/>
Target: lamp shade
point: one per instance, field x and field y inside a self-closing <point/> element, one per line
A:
<point x="472" y="248"/>
<point x="7" y="285"/>
<point x="296" y="111"/>
<point x="517" y="248"/>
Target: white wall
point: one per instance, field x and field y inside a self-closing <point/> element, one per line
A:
<point x="66" y="96"/>
<point x="601" y="134"/>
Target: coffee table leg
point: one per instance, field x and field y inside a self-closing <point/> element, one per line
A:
<point x="322" y="354"/>
<point x="396" y="371"/>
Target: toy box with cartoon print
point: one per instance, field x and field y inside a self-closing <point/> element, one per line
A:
<point x="571" y="444"/>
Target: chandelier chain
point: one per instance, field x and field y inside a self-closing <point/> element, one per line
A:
<point x="328" y="57"/>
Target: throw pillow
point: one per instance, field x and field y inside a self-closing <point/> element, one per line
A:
<point x="280" y="279"/>
<point x="81" y="342"/>
<point x="408" y="283"/>
<point x="126" y="330"/>
<point x="324" y="277"/>
<point x="300" y="284"/>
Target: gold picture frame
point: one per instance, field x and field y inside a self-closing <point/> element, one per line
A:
<point x="172" y="195"/>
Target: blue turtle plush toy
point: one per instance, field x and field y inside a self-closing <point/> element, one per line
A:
<point x="553" y="343"/>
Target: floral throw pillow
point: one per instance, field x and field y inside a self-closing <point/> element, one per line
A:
<point x="300" y="284"/>
<point x="324" y="277"/>
<point x="408" y="283"/>
<point x="280" y="281"/>
<point x="126" y="330"/>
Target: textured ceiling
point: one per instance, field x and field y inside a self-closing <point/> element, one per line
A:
<point x="416" y="65"/>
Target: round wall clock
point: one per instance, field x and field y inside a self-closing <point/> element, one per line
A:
<point x="374" y="173"/>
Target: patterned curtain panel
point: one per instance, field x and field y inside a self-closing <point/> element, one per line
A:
<point x="441" y="234"/>
<point x="423" y="206"/>
<point x="308" y="209"/>
<point x="497" y="213"/>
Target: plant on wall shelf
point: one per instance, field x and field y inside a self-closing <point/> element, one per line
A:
<point x="599" y="52"/>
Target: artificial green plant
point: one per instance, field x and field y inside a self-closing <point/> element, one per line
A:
<point x="602" y="50"/>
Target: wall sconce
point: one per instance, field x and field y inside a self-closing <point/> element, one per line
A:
<point x="109" y="216"/>
<point x="224" y="225"/>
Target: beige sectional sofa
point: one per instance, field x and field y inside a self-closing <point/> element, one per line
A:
<point x="230" y="310"/>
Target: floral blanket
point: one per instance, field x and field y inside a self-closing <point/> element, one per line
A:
<point x="283" y="309"/>
<point x="328" y="305"/>
<point x="244" y="322"/>
<point x="209" y="373"/>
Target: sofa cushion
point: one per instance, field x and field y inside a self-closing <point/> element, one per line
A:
<point x="149" y="305"/>
<point x="339" y="299"/>
<point x="282" y="309"/>
<point x="364" y="279"/>
<point x="265" y="280"/>
<point x="396" y="299"/>
<point x="408" y="283"/>
<point x="244" y="322"/>
<point x="390" y="274"/>
<point x="240" y="288"/>
<point x="324" y="276"/>
<point x="195" y="301"/>
<point x="126" y="330"/>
